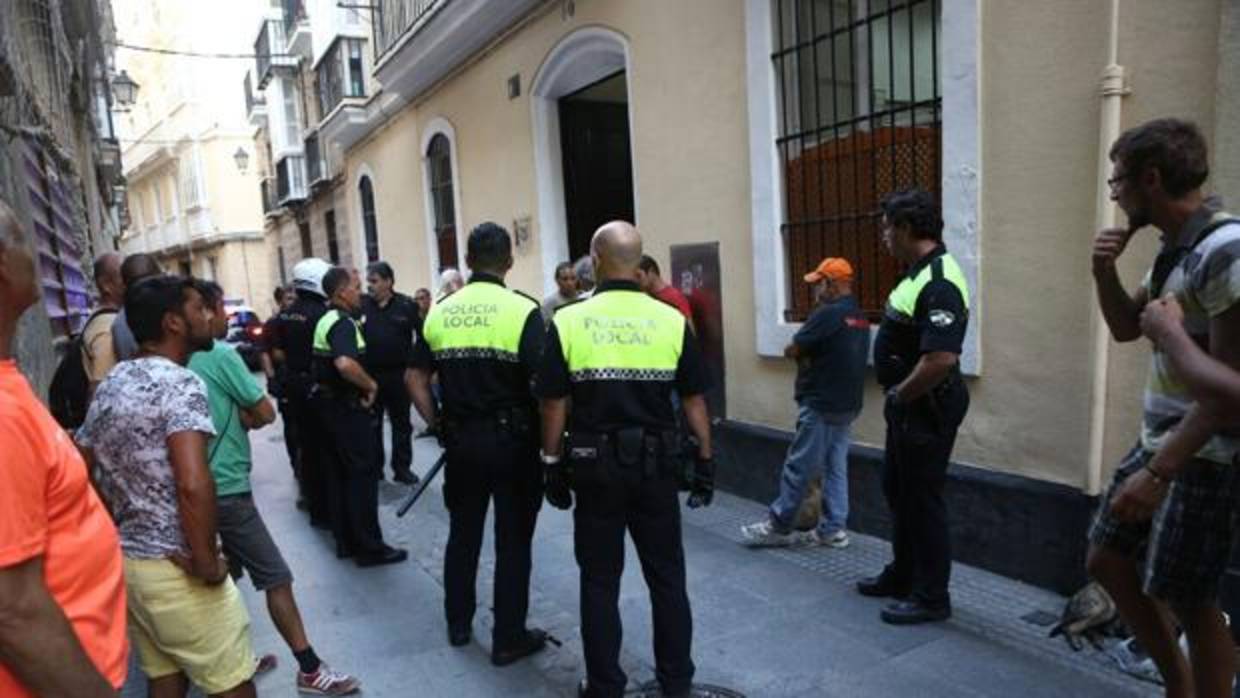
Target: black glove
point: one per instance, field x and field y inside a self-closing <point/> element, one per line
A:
<point x="701" y="483"/>
<point x="556" y="482"/>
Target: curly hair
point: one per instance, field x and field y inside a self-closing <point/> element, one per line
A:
<point x="1174" y="147"/>
<point x="917" y="209"/>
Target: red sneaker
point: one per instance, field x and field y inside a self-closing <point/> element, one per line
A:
<point x="326" y="682"/>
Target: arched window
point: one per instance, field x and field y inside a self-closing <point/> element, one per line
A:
<point x="439" y="167"/>
<point x="369" y="223"/>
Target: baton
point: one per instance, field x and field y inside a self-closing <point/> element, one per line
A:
<point x="417" y="492"/>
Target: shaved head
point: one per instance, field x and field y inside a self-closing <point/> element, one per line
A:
<point x="108" y="279"/>
<point x="137" y="267"/>
<point x="617" y="251"/>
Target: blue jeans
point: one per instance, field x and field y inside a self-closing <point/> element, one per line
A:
<point x="818" y="448"/>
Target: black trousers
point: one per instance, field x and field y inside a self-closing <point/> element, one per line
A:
<point x="313" y="457"/>
<point x="919" y="444"/>
<point x="648" y="508"/>
<point x="394" y="400"/>
<point x="291" y="444"/>
<point x="352" y="479"/>
<point x="484" y="463"/>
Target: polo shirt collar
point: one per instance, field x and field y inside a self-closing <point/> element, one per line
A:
<point x="616" y="285"/>
<point x="938" y="251"/>
<point x="483" y="277"/>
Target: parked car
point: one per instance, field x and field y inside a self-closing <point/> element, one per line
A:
<point x="245" y="334"/>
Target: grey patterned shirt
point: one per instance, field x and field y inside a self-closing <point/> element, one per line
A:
<point x="137" y="407"/>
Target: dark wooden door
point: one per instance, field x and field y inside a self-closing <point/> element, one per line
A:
<point x="598" y="168"/>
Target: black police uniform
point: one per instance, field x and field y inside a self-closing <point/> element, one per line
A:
<point x="353" y="473"/>
<point x="277" y="387"/>
<point x="294" y="335"/>
<point x="624" y="454"/>
<point x="485" y="354"/>
<point x="921" y="434"/>
<point x="389" y="330"/>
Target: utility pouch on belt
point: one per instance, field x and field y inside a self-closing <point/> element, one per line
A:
<point x="588" y="454"/>
<point x="631" y="448"/>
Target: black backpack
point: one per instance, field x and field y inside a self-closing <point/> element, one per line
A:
<point x="67" y="397"/>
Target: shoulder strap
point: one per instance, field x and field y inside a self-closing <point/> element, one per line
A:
<point x="1166" y="262"/>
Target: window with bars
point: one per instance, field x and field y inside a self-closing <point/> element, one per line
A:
<point x="187" y="173"/>
<point x="58" y="236"/>
<point x="303" y="232"/>
<point x="370" y="223"/>
<point x="333" y="245"/>
<point x="443" y="202"/>
<point x="859" y="118"/>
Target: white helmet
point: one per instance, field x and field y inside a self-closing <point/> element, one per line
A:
<point x="308" y="275"/>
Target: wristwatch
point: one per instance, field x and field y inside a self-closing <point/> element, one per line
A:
<point x="548" y="459"/>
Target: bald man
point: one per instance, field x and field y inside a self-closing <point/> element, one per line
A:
<point x="135" y="268"/>
<point x="98" y="350"/>
<point x="616" y="358"/>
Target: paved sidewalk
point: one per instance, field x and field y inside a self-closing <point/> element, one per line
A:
<point x="767" y="623"/>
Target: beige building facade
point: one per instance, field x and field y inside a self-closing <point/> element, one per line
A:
<point x="770" y="128"/>
<point x="189" y="156"/>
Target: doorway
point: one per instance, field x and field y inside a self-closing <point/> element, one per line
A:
<point x="596" y="159"/>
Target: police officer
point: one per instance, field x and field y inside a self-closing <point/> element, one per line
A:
<point x="292" y="337"/>
<point x="484" y="342"/>
<point x="391" y="321"/>
<point x="344" y="394"/>
<point x="619" y="355"/>
<point x="916" y="358"/>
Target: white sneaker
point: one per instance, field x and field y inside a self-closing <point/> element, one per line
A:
<point x="839" y="539"/>
<point x="763" y="534"/>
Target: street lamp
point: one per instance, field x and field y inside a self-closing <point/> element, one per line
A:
<point x="242" y="159"/>
<point x="124" y="89"/>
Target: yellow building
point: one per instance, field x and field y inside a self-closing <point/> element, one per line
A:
<point x="185" y="142"/>
<point x="749" y="138"/>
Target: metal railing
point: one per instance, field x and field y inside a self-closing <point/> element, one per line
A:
<point x="395" y="17"/>
<point x="269" y="52"/>
<point x="291" y="179"/>
<point x="340" y="74"/>
<point x="252" y="99"/>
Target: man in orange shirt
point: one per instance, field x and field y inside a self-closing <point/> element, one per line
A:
<point x="62" y="595"/>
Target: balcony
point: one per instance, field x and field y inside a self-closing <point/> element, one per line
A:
<point x="270" y="52"/>
<point x="255" y="104"/>
<point x="290" y="180"/>
<point x="316" y="162"/>
<point x="340" y="75"/>
<point x="418" y="42"/>
<point x="296" y="25"/>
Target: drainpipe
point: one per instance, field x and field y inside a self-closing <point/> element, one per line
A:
<point x="1112" y="91"/>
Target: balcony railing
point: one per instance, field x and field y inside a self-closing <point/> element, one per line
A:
<point x="341" y="74"/>
<point x="270" y="52"/>
<point x="294" y="12"/>
<point x="291" y="179"/>
<point x="316" y="164"/>
<point x="252" y="99"/>
<point x="395" y="17"/>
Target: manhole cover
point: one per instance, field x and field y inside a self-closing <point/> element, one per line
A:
<point x="700" y="690"/>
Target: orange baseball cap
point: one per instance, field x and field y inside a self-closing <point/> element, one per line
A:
<point x="834" y="268"/>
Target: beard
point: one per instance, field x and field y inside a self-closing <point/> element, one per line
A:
<point x="201" y="343"/>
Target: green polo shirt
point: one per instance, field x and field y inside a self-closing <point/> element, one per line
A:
<point x="230" y="388"/>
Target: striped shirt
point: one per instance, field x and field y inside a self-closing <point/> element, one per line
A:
<point x="1206" y="282"/>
